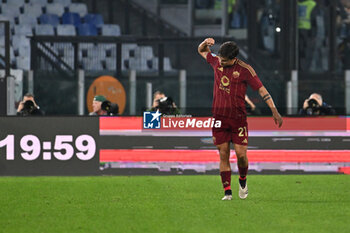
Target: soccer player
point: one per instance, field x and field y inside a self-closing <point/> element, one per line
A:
<point x="231" y="77"/>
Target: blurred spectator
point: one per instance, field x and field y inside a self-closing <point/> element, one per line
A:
<point x="344" y="18"/>
<point x="344" y="53"/>
<point x="269" y="22"/>
<point x="97" y="106"/>
<point x="315" y="106"/>
<point x="164" y="104"/>
<point x="343" y="23"/>
<point x="237" y="13"/>
<point x="28" y="106"/>
<point x="319" y="25"/>
<point x="306" y="35"/>
<point x="236" y="9"/>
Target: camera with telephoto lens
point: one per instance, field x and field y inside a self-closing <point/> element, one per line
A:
<point x="166" y="105"/>
<point x="112" y="109"/>
<point x="28" y="108"/>
<point x="313" y="107"/>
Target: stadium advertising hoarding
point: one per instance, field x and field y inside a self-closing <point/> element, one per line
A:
<point x="155" y="120"/>
<point x="322" y="123"/>
<point x="32" y="146"/>
<point x="171" y="144"/>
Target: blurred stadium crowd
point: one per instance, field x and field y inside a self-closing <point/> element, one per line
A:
<point x="73" y="19"/>
<point x="67" y="18"/>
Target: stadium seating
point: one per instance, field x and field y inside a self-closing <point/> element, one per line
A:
<point x="7" y="18"/>
<point x="67" y="18"/>
<point x="86" y="29"/>
<point x="96" y="51"/>
<point x="110" y="64"/>
<point x="20" y="41"/>
<point x="23" y="63"/>
<point x="32" y="10"/>
<point x="44" y="30"/>
<point x="144" y="52"/>
<point x="86" y="45"/>
<point x="39" y="2"/>
<point x="167" y="64"/>
<point x="65" y="50"/>
<point x="71" y="18"/>
<point x="55" y="8"/>
<point x="12" y="53"/>
<point x="91" y="64"/>
<point x="109" y="50"/>
<point x="79" y="8"/>
<point x="64" y="3"/>
<point x="21" y="45"/>
<point x="23" y="30"/>
<point x="51" y="19"/>
<point x="10" y="10"/>
<point x="128" y="50"/>
<point x="110" y="30"/>
<point x="17" y="3"/>
<point x="95" y="19"/>
<point x="23" y="51"/>
<point x="27" y="19"/>
<point x="66" y="30"/>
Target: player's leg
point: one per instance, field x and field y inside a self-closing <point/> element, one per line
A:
<point x="224" y="151"/>
<point x="222" y="140"/>
<point x="225" y="169"/>
<point x="242" y="163"/>
<point x="240" y="140"/>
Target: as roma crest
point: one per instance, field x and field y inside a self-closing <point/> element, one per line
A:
<point x="235" y="74"/>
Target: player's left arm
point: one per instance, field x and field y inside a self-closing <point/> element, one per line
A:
<point x="269" y="101"/>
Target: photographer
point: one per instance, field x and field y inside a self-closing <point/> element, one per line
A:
<point x="28" y="107"/>
<point x="314" y="106"/>
<point x="103" y="107"/>
<point x="164" y="104"/>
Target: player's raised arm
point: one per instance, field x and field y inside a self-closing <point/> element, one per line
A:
<point x="268" y="100"/>
<point x="204" y="47"/>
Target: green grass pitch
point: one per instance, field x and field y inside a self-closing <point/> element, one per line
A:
<point x="276" y="203"/>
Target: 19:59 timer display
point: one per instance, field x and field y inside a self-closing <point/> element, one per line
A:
<point x="64" y="147"/>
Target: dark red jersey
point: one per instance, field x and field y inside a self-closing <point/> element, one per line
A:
<point x="230" y="87"/>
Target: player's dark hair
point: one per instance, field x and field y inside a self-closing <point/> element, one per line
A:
<point x="229" y="50"/>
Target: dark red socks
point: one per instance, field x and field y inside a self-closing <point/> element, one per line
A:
<point x="242" y="171"/>
<point x="243" y="176"/>
<point x="226" y="179"/>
